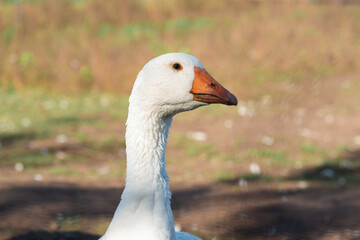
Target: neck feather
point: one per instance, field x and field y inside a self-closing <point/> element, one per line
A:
<point x="146" y="137"/>
<point x="144" y="211"/>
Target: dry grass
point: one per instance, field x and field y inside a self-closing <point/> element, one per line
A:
<point x="91" y="45"/>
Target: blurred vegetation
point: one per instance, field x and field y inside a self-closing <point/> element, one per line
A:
<point x="68" y="66"/>
<point x="36" y="129"/>
<point x="78" y="45"/>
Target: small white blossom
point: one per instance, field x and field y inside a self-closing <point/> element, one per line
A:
<point x="245" y="109"/>
<point x="255" y="168"/>
<point x="38" y="177"/>
<point x="266" y="140"/>
<point x="357" y="140"/>
<point x="62" y="138"/>
<point x="19" y="167"/>
<point x="302" y="184"/>
<point x="243" y="182"/>
<point x="198" y="136"/>
<point x="103" y="170"/>
<point x="25" y="122"/>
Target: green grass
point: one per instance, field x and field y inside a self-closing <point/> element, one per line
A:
<point x="34" y="118"/>
<point x="32" y="110"/>
<point x="72" y="222"/>
<point x="63" y="171"/>
<point x="259" y="178"/>
<point x="30" y="160"/>
<point x="194" y="149"/>
<point x="340" y="168"/>
<point x="152" y="31"/>
<point x="111" y="143"/>
<point x="224" y="175"/>
<point x="310" y="149"/>
<point x="275" y="156"/>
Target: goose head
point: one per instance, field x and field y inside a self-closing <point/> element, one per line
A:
<point x="177" y="82"/>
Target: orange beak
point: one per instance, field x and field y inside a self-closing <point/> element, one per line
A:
<point x="206" y="89"/>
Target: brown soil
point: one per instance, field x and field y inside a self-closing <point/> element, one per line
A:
<point x="255" y="211"/>
<point x="80" y="208"/>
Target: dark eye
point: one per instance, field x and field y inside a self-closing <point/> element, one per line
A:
<point x="177" y="66"/>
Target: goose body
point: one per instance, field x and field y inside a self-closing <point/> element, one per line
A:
<point x="166" y="85"/>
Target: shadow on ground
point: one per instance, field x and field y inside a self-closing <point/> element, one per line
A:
<point x="344" y="169"/>
<point x="43" y="235"/>
<point x="226" y="209"/>
<point x="11" y="138"/>
<point x="212" y="210"/>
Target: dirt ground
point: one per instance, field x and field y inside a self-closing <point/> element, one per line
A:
<point x="257" y="211"/>
<point x="282" y="207"/>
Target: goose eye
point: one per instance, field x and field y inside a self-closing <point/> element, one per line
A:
<point x="177" y="66"/>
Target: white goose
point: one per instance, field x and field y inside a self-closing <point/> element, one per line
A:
<point x="167" y="85"/>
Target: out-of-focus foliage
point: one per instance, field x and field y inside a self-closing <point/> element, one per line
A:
<point x="78" y="45"/>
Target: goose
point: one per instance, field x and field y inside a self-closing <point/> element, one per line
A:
<point x="167" y="85"/>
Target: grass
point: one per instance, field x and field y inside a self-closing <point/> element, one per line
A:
<point x="224" y="175"/>
<point x="259" y="178"/>
<point x="194" y="149"/>
<point x="334" y="170"/>
<point x="28" y="159"/>
<point x="69" y="222"/>
<point x="64" y="98"/>
<point x="62" y="171"/>
<point x="55" y="123"/>
<point x="123" y="40"/>
<point x="276" y="157"/>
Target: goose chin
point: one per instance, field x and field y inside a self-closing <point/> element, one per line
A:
<point x="209" y="98"/>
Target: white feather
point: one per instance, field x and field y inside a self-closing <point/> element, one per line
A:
<point x="159" y="92"/>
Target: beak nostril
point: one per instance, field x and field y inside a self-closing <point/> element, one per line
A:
<point x="213" y="85"/>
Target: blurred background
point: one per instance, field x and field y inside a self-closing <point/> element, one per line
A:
<point x="283" y="164"/>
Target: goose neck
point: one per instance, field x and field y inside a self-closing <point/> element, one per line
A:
<point x="146" y="137"/>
